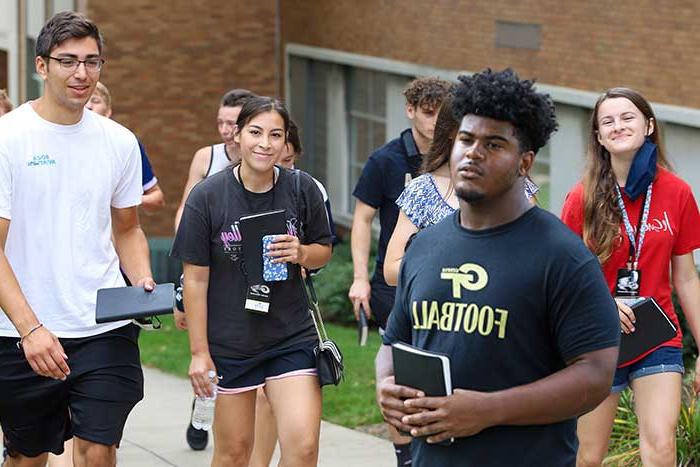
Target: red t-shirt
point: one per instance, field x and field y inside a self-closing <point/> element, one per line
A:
<point x="673" y="229"/>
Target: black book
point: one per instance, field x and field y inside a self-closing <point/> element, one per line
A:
<point x="422" y="369"/>
<point x="362" y="328"/>
<point x="118" y="303"/>
<point x="652" y="328"/>
<point x="253" y="229"/>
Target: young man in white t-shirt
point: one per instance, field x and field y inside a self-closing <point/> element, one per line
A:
<point x="69" y="179"/>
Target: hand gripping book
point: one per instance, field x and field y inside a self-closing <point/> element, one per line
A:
<point x="253" y="228"/>
<point x="424" y="370"/>
<point x="652" y="328"/>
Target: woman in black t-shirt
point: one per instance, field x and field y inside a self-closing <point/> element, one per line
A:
<point x="249" y="350"/>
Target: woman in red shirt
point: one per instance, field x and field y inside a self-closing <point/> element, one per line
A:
<point x="639" y="218"/>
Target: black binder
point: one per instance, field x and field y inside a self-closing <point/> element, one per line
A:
<point x="652" y="328"/>
<point x="118" y="303"/>
<point x="253" y="229"/>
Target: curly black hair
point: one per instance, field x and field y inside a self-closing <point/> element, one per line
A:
<point x="502" y="95"/>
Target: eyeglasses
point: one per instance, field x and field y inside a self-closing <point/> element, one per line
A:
<point x="92" y="64"/>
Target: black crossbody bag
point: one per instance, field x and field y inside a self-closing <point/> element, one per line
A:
<point x="329" y="358"/>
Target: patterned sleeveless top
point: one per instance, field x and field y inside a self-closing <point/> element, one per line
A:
<point x="424" y="206"/>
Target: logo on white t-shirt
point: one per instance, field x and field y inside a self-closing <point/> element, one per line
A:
<point x="41" y="159"/>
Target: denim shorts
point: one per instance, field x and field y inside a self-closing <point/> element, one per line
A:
<point x="661" y="360"/>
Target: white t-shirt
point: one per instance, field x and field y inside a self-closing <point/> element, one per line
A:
<point x="57" y="185"/>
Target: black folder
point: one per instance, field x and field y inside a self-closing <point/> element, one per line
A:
<point x="652" y="328"/>
<point x="118" y="303"/>
<point x="253" y="229"/>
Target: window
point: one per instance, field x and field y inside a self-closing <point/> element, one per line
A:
<point x="540" y="174"/>
<point x="366" y="117"/>
<point x="308" y="95"/>
<point x="344" y="113"/>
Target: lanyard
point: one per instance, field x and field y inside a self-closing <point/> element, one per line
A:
<point x="247" y="194"/>
<point x="635" y="246"/>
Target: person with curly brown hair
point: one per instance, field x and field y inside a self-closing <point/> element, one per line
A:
<point x="387" y="172"/>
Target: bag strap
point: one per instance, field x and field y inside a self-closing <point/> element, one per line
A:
<point x="314" y="310"/>
<point x="297" y="195"/>
<point x="307" y="282"/>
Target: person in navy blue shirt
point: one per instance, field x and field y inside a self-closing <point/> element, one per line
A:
<point x="387" y="172"/>
<point x="508" y="293"/>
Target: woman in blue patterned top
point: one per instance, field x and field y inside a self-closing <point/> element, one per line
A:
<point x="430" y="197"/>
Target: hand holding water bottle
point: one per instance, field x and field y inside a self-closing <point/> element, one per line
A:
<point x="200" y="367"/>
<point x="203" y="413"/>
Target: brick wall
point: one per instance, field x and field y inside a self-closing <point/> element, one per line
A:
<point x="3" y="69"/>
<point x="588" y="45"/>
<point x="169" y="63"/>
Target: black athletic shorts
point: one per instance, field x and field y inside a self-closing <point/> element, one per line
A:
<point x="382" y="298"/>
<point x="246" y="374"/>
<point x="38" y="413"/>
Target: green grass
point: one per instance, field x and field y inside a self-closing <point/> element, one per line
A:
<point x="351" y="404"/>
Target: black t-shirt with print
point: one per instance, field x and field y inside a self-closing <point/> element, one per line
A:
<point x="209" y="236"/>
<point x="510" y="306"/>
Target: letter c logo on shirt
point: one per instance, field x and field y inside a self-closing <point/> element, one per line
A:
<point x="469" y="276"/>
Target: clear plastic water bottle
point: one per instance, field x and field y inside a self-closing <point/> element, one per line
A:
<point x="203" y="414"/>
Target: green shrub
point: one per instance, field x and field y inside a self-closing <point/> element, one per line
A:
<point x="333" y="283"/>
<point x="624" y="442"/>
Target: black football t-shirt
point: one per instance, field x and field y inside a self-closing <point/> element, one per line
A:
<point x="509" y="305"/>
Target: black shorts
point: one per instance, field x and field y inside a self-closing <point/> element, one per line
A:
<point x="38" y="413"/>
<point x="382" y="298"/>
<point x="246" y="374"/>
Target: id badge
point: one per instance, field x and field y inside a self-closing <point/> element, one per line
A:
<point x="257" y="299"/>
<point x="628" y="282"/>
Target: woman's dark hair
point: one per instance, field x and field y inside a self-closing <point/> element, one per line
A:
<point x="294" y="139"/>
<point x="502" y="95"/>
<point x="446" y="126"/>
<point x="601" y="216"/>
<point x="257" y="105"/>
<point x="63" y="26"/>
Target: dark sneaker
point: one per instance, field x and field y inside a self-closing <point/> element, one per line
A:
<point x="197" y="439"/>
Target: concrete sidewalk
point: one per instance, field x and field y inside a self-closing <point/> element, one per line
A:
<point x="155" y="433"/>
